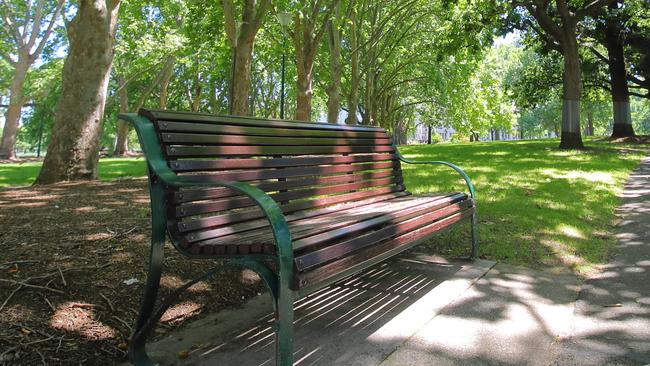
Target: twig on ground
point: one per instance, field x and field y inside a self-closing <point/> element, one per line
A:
<point x="110" y="305"/>
<point x="59" y="346"/>
<point x="49" y="303"/>
<point x="9" y="297"/>
<point x="18" y="261"/>
<point x="117" y="235"/>
<point x="123" y="322"/>
<point x="42" y="357"/>
<point x="33" y="286"/>
<point x="62" y="277"/>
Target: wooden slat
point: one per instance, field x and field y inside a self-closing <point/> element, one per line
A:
<point x="242" y="201"/>
<point x="367" y="204"/>
<point x="230" y="218"/>
<point x="218" y="128"/>
<point x="397" y="227"/>
<point x="249" y="175"/>
<point x="206" y="139"/>
<point x="396" y="210"/>
<point x="391" y="218"/>
<point x="391" y="247"/>
<point x="225" y="164"/>
<point x="213" y="193"/>
<point x="158" y="115"/>
<point x="213" y="151"/>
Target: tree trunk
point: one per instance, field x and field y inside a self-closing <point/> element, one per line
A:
<point x="73" y="150"/>
<point x="12" y="116"/>
<point x="334" y="88"/>
<point x="242" y="78"/>
<point x="618" y="75"/>
<point x="353" y="97"/>
<point x="571" y="137"/>
<point x="590" y="123"/>
<point x="122" y="140"/>
<point x="303" y="97"/>
<point x="168" y="72"/>
<point x="241" y="38"/>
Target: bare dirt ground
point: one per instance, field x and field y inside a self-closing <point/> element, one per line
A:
<point x="73" y="263"/>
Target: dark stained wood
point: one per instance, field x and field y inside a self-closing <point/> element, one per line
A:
<point x="393" y="245"/>
<point x="397" y="227"/>
<point x="215" y="128"/>
<point x="214" y="151"/>
<point x="231" y="218"/>
<point x="225" y="164"/>
<point x="341" y="222"/>
<point x="205" y="139"/>
<point x="239" y="202"/>
<point x="249" y="175"/>
<point x="157" y="115"/>
<point x="212" y="193"/>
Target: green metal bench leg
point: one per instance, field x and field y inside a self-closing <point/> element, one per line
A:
<point x="474" y="236"/>
<point x="284" y="331"/>
<point x="137" y="351"/>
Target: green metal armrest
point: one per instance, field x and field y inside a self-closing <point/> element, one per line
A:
<point x="470" y="186"/>
<point x="160" y="169"/>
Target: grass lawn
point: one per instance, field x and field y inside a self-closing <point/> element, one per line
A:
<point x="537" y="205"/>
<point x="23" y="174"/>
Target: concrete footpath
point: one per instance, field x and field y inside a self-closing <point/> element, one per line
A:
<point x="420" y="310"/>
<point x="612" y="316"/>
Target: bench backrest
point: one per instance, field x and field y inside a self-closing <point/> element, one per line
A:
<point x="302" y="165"/>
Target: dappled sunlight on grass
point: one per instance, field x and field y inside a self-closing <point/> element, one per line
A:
<point x="537" y="205"/>
<point x="24" y="174"/>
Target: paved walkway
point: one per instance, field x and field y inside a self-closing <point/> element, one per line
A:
<point x="423" y="311"/>
<point x="612" y="316"/>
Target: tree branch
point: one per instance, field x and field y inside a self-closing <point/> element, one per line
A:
<point x="36" y="25"/>
<point x="50" y="26"/>
<point x="545" y="21"/>
<point x="229" y="20"/>
<point x="592" y="8"/>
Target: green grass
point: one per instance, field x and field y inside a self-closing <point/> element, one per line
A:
<point x="23" y="174"/>
<point x="537" y="205"/>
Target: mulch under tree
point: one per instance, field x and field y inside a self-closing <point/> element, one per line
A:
<point x="72" y="270"/>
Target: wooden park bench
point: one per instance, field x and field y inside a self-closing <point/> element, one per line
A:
<point x="302" y="204"/>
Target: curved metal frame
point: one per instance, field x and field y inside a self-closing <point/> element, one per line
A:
<point x="162" y="177"/>
<point x="470" y="186"/>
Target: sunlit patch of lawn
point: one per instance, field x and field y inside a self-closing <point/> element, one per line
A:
<point x="24" y="174"/>
<point x="537" y="205"/>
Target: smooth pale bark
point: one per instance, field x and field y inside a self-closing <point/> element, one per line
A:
<point x="27" y="51"/>
<point x="618" y="77"/>
<point x="241" y="41"/>
<point x="73" y="151"/>
<point x="121" y="140"/>
<point x="334" y="88"/>
<point x="12" y="116"/>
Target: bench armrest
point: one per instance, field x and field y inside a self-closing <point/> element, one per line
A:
<point x="470" y="186"/>
<point x="158" y="165"/>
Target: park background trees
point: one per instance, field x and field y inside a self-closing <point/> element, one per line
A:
<point x="395" y="64"/>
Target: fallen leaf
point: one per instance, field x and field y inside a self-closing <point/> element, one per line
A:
<point x="183" y="354"/>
